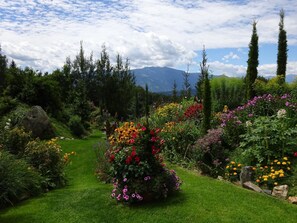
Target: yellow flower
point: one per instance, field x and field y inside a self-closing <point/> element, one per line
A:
<point x="265" y="167"/>
<point x="227" y="167"/>
<point x="235" y="173"/>
<point x="232" y="162"/>
<point x="281" y="175"/>
<point x="285" y="158"/>
<point x="275" y="183"/>
<point x="257" y="180"/>
<point x="254" y="168"/>
<point x="275" y="161"/>
<point x="265" y="179"/>
<point x="284" y="163"/>
<point x="239" y="165"/>
<point x="234" y="168"/>
<point x="289" y="162"/>
<point x="288" y="168"/>
<point x="278" y="163"/>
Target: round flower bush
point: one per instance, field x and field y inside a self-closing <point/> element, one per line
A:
<point x="136" y="165"/>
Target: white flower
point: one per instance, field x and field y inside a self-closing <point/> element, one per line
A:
<point x="248" y="123"/>
<point x="281" y="113"/>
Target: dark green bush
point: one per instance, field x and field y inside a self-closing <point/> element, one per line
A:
<point x="47" y="158"/>
<point x="7" y="104"/>
<point x="76" y="126"/>
<point x="17" y="180"/>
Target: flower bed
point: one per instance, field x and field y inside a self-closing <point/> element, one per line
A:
<point x="136" y="165"/>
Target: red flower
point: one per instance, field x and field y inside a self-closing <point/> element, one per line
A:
<point x="152" y="132"/>
<point x="111" y="158"/>
<point x="128" y="160"/>
<point x="295" y="154"/>
<point x="137" y="159"/>
<point x="143" y="128"/>
<point x="133" y="153"/>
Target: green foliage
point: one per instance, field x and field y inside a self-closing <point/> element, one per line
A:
<point x="7" y="104"/>
<point x="268" y="138"/>
<point x="179" y="138"/>
<point x="282" y="52"/>
<point x="76" y="126"/>
<point x="15" y="140"/>
<point x="274" y="86"/>
<point x="103" y="164"/>
<point x="17" y="180"/>
<point x="226" y="91"/>
<point x="253" y="62"/>
<point x="47" y="158"/>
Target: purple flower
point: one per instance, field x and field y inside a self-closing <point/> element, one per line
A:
<point x="133" y="195"/>
<point x="250" y="115"/>
<point x="113" y="194"/>
<point x="125" y="179"/>
<point x="125" y="190"/>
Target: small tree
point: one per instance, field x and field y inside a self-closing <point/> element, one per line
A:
<point x="206" y="93"/>
<point x="174" y="92"/>
<point x="253" y="62"/>
<point x="282" y="48"/>
<point x="187" y="85"/>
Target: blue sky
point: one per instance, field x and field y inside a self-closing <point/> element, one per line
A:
<point x="42" y="33"/>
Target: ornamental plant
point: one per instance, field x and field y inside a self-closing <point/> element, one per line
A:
<point x="136" y="165"/>
<point x="194" y="111"/>
<point x="232" y="171"/>
<point x="273" y="173"/>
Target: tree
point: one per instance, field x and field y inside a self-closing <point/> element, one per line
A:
<point x="187" y="85"/>
<point x="3" y="68"/>
<point x="253" y="62"/>
<point x="282" y="48"/>
<point x="206" y="93"/>
<point x="174" y="92"/>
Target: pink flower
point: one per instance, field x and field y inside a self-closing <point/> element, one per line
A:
<point x="295" y="154"/>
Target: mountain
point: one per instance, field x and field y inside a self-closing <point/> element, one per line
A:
<point x="161" y="79"/>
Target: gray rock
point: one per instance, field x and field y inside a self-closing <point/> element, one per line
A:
<point x="267" y="191"/>
<point x="249" y="185"/>
<point x="280" y="191"/>
<point x="37" y="122"/>
<point x="246" y="174"/>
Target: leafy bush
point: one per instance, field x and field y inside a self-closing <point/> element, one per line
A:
<point x="47" y="158"/>
<point x="103" y="164"/>
<point x="268" y="138"/>
<point x="17" y="179"/>
<point x="136" y="165"/>
<point x="179" y="137"/>
<point x="76" y="126"/>
<point x="210" y="153"/>
<point x="15" y="140"/>
<point x="7" y="104"/>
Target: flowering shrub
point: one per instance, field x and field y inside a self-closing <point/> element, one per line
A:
<point x="210" y="153"/>
<point x="274" y="172"/>
<point x="179" y="137"/>
<point x="166" y="113"/>
<point x="194" y="111"/>
<point x="232" y="171"/>
<point x="47" y="158"/>
<point x="136" y="164"/>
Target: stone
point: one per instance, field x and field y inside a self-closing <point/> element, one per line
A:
<point x="246" y="174"/>
<point x="37" y="122"/>
<point x="220" y="178"/>
<point x="292" y="200"/>
<point x="280" y="191"/>
<point x="249" y="185"/>
<point x="267" y="191"/>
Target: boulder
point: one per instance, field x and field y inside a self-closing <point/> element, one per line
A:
<point x="246" y="174"/>
<point x="249" y="185"/>
<point x="292" y="200"/>
<point x="280" y="191"/>
<point x="37" y="122"/>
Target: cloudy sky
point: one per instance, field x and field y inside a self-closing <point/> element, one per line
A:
<point x="42" y="33"/>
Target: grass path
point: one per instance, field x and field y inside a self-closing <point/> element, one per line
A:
<point x="202" y="200"/>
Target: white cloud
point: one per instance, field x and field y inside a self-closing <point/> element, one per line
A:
<point x="149" y="32"/>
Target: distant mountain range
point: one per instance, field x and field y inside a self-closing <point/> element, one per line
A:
<point x="161" y="79"/>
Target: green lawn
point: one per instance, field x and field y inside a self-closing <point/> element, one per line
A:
<point x="202" y="199"/>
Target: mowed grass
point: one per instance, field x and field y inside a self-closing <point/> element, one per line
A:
<point x="202" y="199"/>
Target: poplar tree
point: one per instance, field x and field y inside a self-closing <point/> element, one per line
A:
<point x="282" y="49"/>
<point x="206" y="94"/>
<point x="252" y="63"/>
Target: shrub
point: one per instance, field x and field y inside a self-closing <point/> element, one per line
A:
<point x="7" y="104"/>
<point x="76" y="126"/>
<point x="103" y="164"/>
<point x="17" y="180"/>
<point x="267" y="138"/>
<point x="136" y="165"/>
<point x="47" y="158"/>
<point x="15" y="140"/>
<point x="179" y="137"/>
<point x="210" y="153"/>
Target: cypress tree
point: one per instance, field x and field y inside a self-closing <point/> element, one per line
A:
<point x="253" y="62"/>
<point x="282" y="48"/>
<point x="174" y="92"/>
<point x="206" y="93"/>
